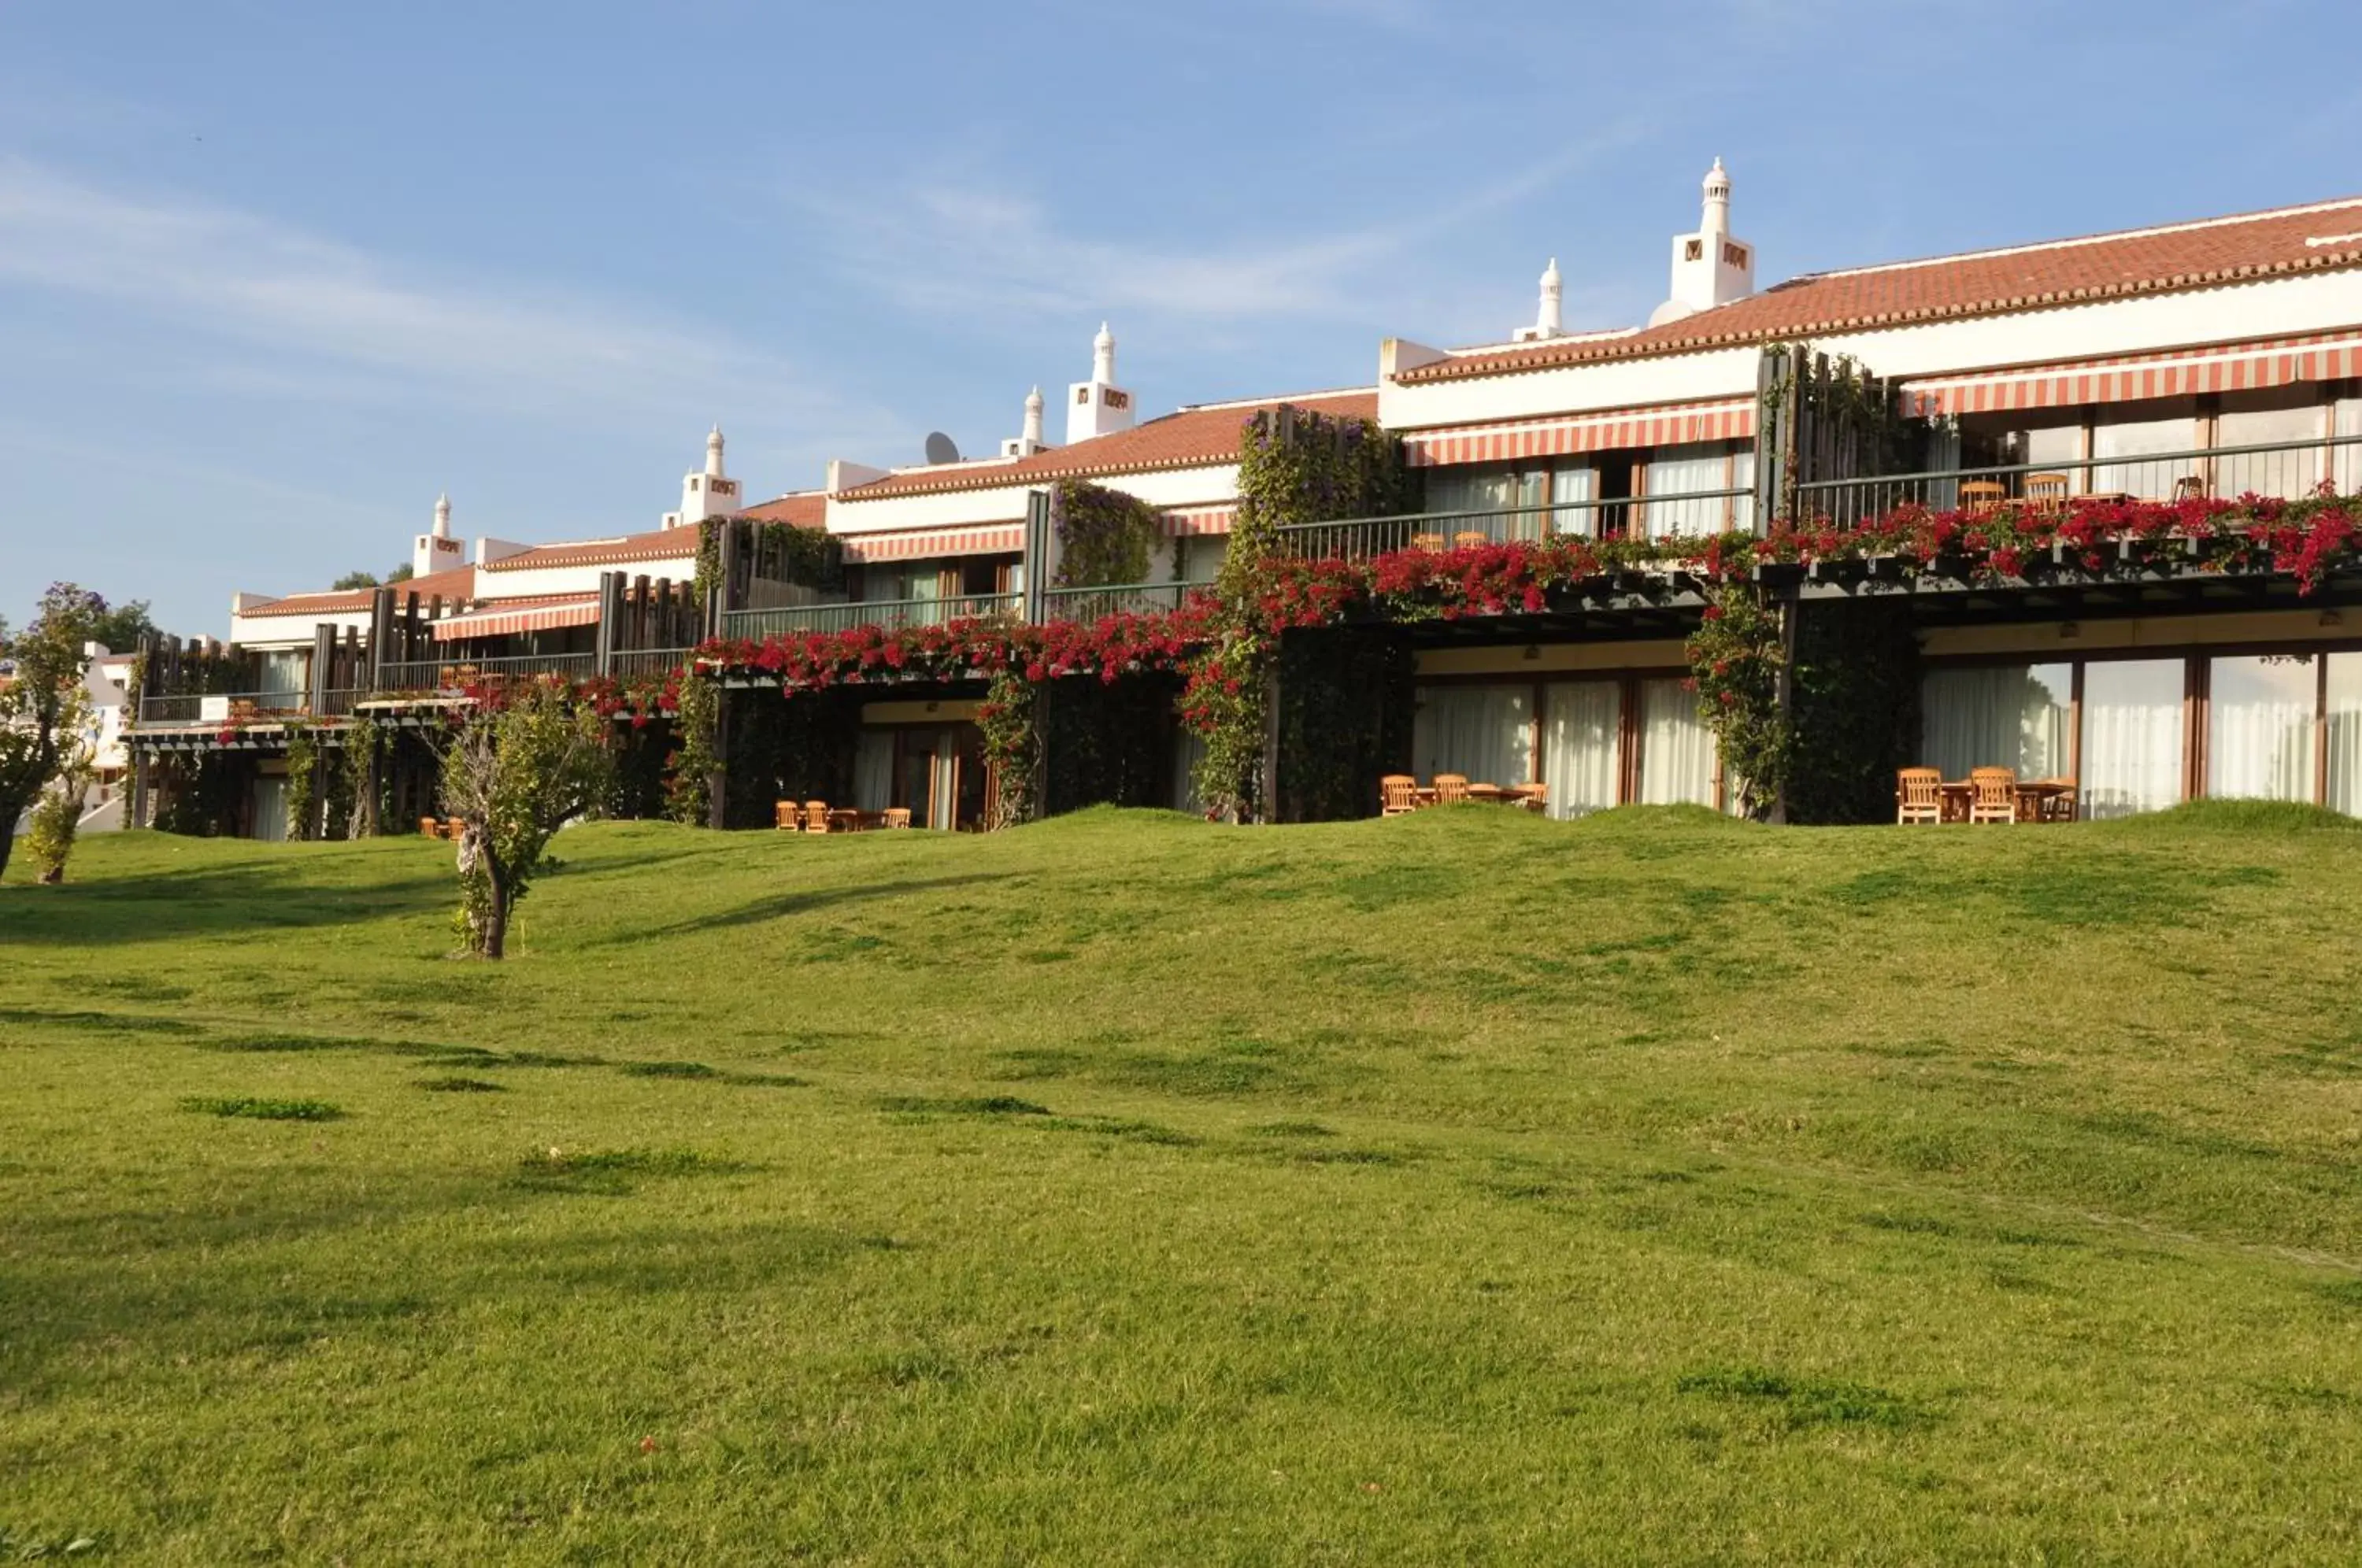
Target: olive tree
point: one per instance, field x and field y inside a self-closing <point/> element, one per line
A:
<point x="43" y="703"/>
<point x="526" y="759"/>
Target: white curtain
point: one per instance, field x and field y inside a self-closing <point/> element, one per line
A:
<point x="1580" y="725"/>
<point x="2013" y="716"/>
<point x="2290" y="473"/>
<point x="286" y="674"/>
<point x="2344" y="726"/>
<point x="1470" y="489"/>
<point x="1484" y="732"/>
<point x="1682" y="470"/>
<point x="1676" y="748"/>
<point x="1570" y="487"/>
<point x="2260" y="714"/>
<point x="873" y="770"/>
<point x="2131" y="736"/>
<point x="2349" y="458"/>
<point x="270" y="809"/>
<point x="1185" y="757"/>
<point x="2133" y="439"/>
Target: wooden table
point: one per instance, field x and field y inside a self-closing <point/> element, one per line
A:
<point x="1488" y="793"/>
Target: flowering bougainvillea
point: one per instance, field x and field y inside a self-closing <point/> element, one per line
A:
<point x="1222" y="651"/>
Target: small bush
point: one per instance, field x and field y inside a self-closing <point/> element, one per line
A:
<point x="264" y="1109"/>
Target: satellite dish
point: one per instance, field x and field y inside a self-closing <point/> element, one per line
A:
<point x="940" y="449"/>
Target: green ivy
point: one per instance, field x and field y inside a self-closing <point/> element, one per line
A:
<point x="1104" y="535"/>
<point x="1294" y="466"/>
<point x="302" y="775"/>
<point x="688" y="794"/>
<point x="1734" y="658"/>
<point x="1011" y="720"/>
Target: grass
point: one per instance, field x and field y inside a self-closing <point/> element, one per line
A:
<point x="1463" y="1188"/>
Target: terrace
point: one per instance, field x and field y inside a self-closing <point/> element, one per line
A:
<point x="1078" y="604"/>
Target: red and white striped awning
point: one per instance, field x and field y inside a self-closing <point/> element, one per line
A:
<point x="917" y="543"/>
<point x="2180" y="372"/>
<point x="543" y="616"/>
<point x="1556" y="437"/>
<point x="1192" y="522"/>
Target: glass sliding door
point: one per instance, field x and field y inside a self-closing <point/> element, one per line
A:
<point x="1582" y="722"/>
<point x="270" y="809"/>
<point x="1484" y="732"/>
<point x="2345" y="733"/>
<point x="1676" y="748"/>
<point x="2131" y="736"/>
<point x="2260" y="727"/>
<point x="873" y="770"/>
<point x="2013" y="715"/>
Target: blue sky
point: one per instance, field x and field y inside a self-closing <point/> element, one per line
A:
<point x="272" y="275"/>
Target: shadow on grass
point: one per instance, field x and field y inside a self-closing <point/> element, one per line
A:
<point x="163" y="905"/>
<point x="780" y="906"/>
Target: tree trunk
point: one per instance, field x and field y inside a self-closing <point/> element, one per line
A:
<point x="496" y="911"/>
<point x="9" y="811"/>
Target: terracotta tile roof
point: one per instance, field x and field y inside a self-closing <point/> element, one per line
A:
<point x="1194" y="438"/>
<point x="2204" y="254"/>
<point x="459" y="583"/>
<point x="805" y="509"/>
<point x="664" y="544"/>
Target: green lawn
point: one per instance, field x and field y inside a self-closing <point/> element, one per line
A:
<point x="1463" y="1188"/>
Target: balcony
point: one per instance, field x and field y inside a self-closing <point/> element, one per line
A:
<point x="1087" y="604"/>
<point x="452" y="677"/>
<point x="1363" y="538"/>
<point x="2287" y="469"/>
<point x="887" y="615"/>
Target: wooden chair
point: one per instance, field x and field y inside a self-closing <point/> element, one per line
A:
<point x="898" y="816"/>
<point x="1469" y="539"/>
<point x="2058" y="801"/>
<point x="1431" y="543"/>
<point x="2045" y="492"/>
<point x="1533" y="797"/>
<point x="1918" y="795"/>
<point x="2190" y="487"/>
<point x="1993" y="795"/>
<point x="786" y="816"/>
<point x="815" y="816"/>
<point x="1982" y="495"/>
<point x="1397" y="795"/>
<point x="1489" y="794"/>
<point x="429" y="828"/>
<point x="454" y="829"/>
<point x="1451" y="788"/>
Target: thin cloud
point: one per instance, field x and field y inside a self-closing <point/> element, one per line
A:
<point x="315" y="310"/>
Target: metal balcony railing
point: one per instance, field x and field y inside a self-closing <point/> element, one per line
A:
<point x="889" y="614"/>
<point x="1126" y="598"/>
<point x="2285" y="469"/>
<point x="628" y="664"/>
<point x="451" y="676"/>
<point x="224" y="707"/>
<point x="1361" y="538"/>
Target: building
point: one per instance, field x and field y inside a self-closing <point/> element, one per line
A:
<point x="2210" y="358"/>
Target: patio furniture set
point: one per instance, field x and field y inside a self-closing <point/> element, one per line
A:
<point x="1986" y="795"/>
<point x="819" y="816"/>
<point x="1399" y="794"/>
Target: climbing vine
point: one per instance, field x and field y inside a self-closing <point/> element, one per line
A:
<point x="1010" y="721"/>
<point x="1104" y="535"/>
<point x="697" y="711"/>
<point x="302" y="780"/>
<point x="365" y="803"/>
<point x="1294" y="467"/>
<point x="1735" y="658"/>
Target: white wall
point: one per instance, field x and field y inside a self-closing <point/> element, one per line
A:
<point x="2275" y="307"/>
<point x="524" y="582"/>
<point x="1215" y="484"/>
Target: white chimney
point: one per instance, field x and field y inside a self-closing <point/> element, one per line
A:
<point x="1547" y="320"/>
<point x="436" y="550"/>
<point x="1099" y="407"/>
<point x="708" y="494"/>
<point x="1031" y="442"/>
<point x="1710" y="268"/>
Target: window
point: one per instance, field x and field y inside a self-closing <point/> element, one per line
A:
<point x="2295" y="426"/>
<point x="2137" y="438"/>
<point x="1676" y="748"/>
<point x="2131" y="736"/>
<point x="1573" y="491"/>
<point x="1582" y="722"/>
<point x="873" y="770"/>
<point x="2013" y="716"/>
<point x="2344" y="726"/>
<point x="2347" y="425"/>
<point x="2259" y="723"/>
<point x="1201" y="556"/>
<point x="1677" y="472"/>
<point x="1484" y="732"/>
